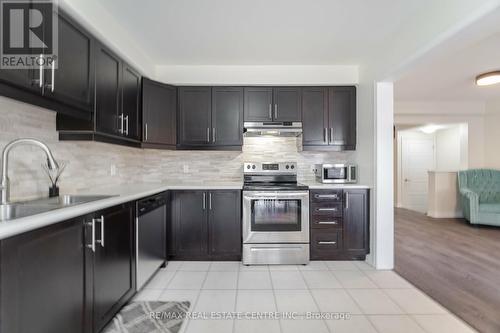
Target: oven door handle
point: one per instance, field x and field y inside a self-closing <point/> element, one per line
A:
<point x="274" y="195"/>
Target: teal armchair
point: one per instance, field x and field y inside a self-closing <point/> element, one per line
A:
<point x="480" y="195"/>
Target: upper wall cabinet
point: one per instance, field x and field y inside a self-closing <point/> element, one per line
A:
<point x="210" y="118"/>
<point x="117" y="108"/>
<point x="159" y="114"/>
<point x="329" y="118"/>
<point x="69" y="87"/>
<point x="272" y="104"/>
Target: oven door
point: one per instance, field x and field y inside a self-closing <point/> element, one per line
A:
<point x="275" y="217"/>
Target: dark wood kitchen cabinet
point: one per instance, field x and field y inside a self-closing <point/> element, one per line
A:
<point x="205" y="225"/>
<point x="117" y="108"/>
<point x="67" y="89"/>
<point x="335" y="127"/>
<point x="272" y="104"/>
<point x="114" y="277"/>
<point x="66" y="278"/>
<point x="210" y="118"/>
<point x="42" y="280"/>
<point x="340" y="224"/>
<point x="227" y="116"/>
<point x="131" y="102"/>
<point x="159" y="115"/>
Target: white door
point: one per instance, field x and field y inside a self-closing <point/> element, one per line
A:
<point x="417" y="158"/>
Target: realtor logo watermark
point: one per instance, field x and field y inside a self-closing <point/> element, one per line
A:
<point x="29" y="34"/>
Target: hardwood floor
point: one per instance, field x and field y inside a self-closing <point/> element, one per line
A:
<point x="453" y="262"/>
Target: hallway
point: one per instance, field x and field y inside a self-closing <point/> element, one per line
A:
<point x="456" y="264"/>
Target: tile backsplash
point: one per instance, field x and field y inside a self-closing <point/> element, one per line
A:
<point x="90" y="164"/>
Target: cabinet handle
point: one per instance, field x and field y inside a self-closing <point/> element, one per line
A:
<point x="346" y="200"/>
<point x="204" y="201"/>
<point x="208" y="134"/>
<point x="39" y="81"/>
<point x="126" y="124"/>
<point x="101" y="221"/>
<point x="325" y="135"/>
<point x="327" y="209"/>
<point x="120" y="117"/>
<point x="326" y="196"/>
<point x="92" y="242"/>
<point x="146" y="132"/>
<point x="270" y="111"/>
<point x="51" y="84"/>
<point x="210" y="200"/>
<point x="327" y="222"/>
<point x="326" y="243"/>
<point x="213" y="134"/>
<point x="275" y="111"/>
<point x="331" y="134"/>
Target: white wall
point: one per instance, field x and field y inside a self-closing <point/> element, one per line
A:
<point x="449" y="142"/>
<point x="431" y="112"/>
<point x="492" y="135"/>
<point x="258" y="75"/>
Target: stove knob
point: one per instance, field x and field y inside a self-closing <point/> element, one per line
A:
<point x="248" y="166"/>
<point x="287" y="167"/>
<point x="253" y="166"/>
<point x="293" y="166"/>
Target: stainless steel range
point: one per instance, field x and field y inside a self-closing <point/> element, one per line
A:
<point x="275" y="215"/>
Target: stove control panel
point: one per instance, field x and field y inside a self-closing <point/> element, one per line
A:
<point x="270" y="167"/>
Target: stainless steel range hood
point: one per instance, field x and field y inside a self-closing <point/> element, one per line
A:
<point x="272" y="128"/>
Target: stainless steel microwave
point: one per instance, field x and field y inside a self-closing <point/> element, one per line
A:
<point x="336" y="173"/>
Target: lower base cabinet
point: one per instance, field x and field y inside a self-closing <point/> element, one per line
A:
<point x="53" y="281"/>
<point x="205" y="225"/>
<point x="340" y="224"/>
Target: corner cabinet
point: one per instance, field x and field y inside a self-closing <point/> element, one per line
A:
<point x="205" y="225"/>
<point x="63" y="279"/>
<point x="329" y="118"/>
<point x="210" y="118"/>
<point x="159" y="115"/>
<point x="340" y="224"/>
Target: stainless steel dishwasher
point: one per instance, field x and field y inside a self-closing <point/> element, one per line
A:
<point x="151" y="228"/>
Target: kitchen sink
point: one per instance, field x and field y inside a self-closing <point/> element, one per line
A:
<point x="23" y="209"/>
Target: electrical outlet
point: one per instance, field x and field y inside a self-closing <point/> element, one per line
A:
<point x="112" y="170"/>
<point x="185" y="168"/>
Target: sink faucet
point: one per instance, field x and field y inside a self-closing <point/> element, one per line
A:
<point x="4" y="185"/>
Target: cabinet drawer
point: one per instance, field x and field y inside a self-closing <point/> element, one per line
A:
<point x="325" y="222"/>
<point x="326" y="209"/>
<point x="325" y="244"/>
<point x="326" y="196"/>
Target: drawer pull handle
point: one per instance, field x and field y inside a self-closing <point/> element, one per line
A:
<point x="326" y="196"/>
<point x="327" y="222"/>
<point x="327" y="209"/>
<point x="326" y="243"/>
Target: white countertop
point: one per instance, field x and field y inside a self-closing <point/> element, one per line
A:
<point x="120" y="194"/>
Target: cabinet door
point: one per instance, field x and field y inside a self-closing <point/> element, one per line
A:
<point x="159" y="103"/>
<point x="114" y="262"/>
<point x="314" y="116"/>
<point x="356" y="220"/>
<point x="342" y="117"/>
<point x="287" y="104"/>
<point x="227" y="116"/>
<point x="224" y="221"/>
<point x="72" y="83"/>
<point x="195" y="105"/>
<point x="258" y="104"/>
<point x="107" y="90"/>
<point x="42" y="280"/>
<point x="189" y="219"/>
<point x="131" y="102"/>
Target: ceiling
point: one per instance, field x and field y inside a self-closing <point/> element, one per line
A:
<point x="451" y="77"/>
<point x="261" y="32"/>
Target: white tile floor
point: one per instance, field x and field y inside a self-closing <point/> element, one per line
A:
<point x="377" y="301"/>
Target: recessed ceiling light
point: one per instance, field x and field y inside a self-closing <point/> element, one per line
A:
<point x="487" y="79"/>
